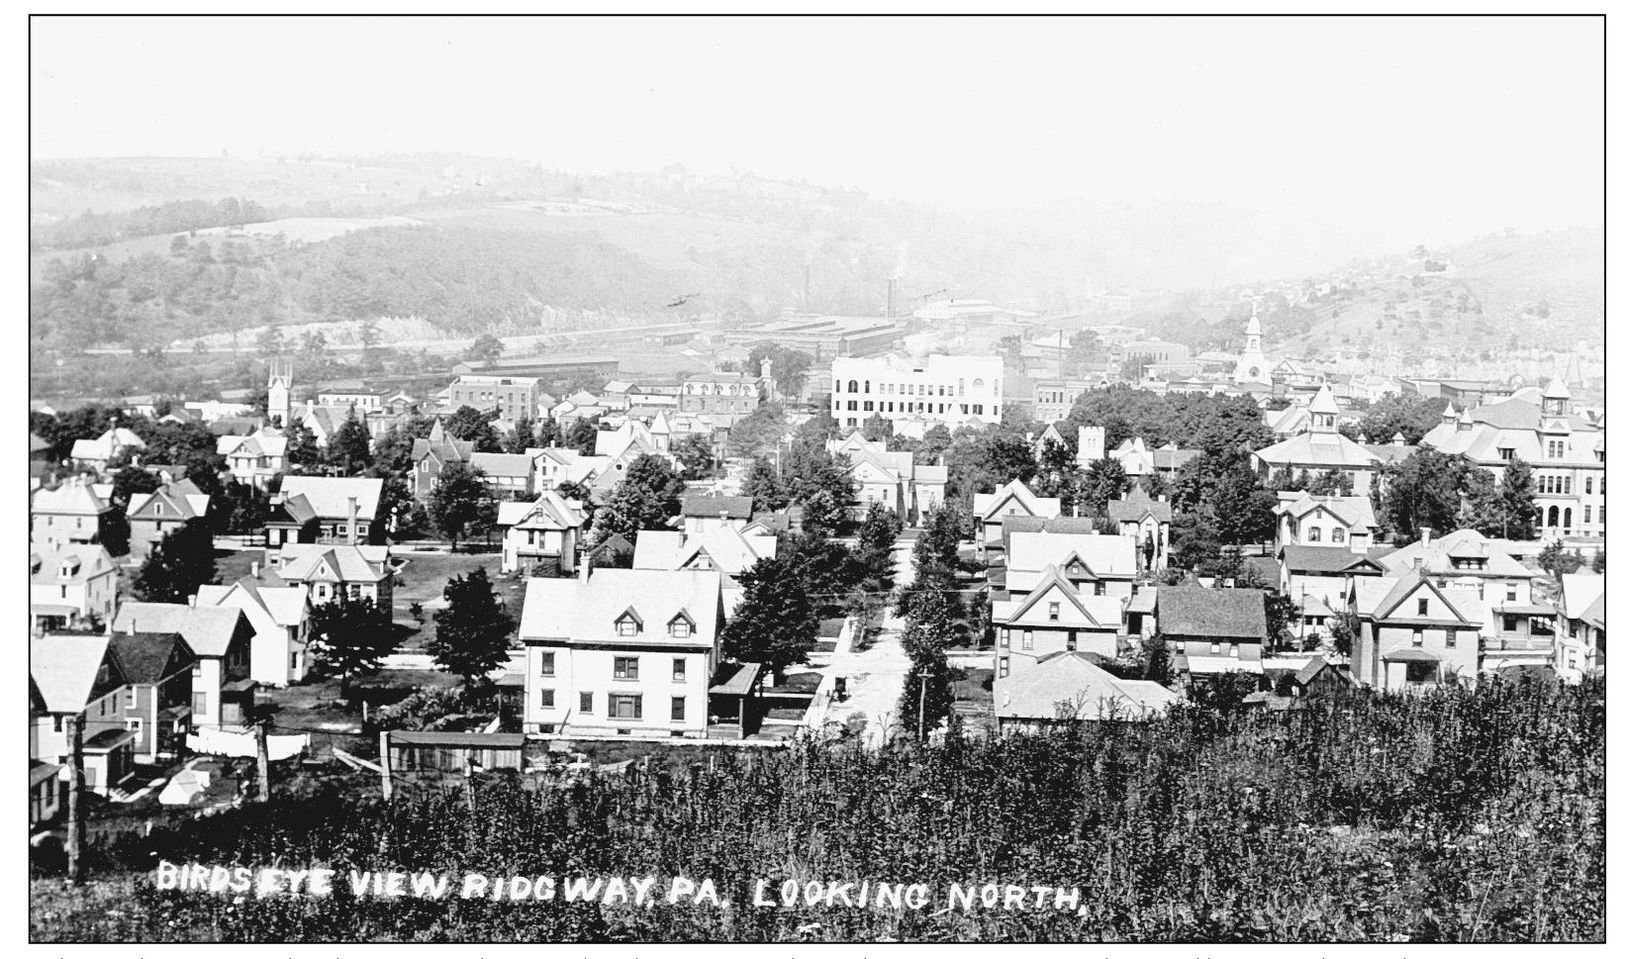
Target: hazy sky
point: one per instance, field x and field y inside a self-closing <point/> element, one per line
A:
<point x="1429" y="128"/>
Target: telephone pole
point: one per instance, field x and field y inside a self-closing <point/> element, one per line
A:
<point x="76" y="786"/>
<point x="384" y="763"/>
<point x="263" y="757"/>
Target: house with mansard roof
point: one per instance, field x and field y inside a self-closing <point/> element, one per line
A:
<point x="541" y="538"/>
<point x="70" y="586"/>
<point x="621" y="652"/>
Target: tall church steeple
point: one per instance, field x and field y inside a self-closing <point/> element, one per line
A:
<point x="1252" y="364"/>
<point x="279" y="392"/>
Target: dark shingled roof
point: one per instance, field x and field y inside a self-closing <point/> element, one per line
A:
<point x="1137" y="505"/>
<point x="1320" y="559"/>
<point x="143" y="656"/>
<point x="1227" y="613"/>
<point x="734" y="507"/>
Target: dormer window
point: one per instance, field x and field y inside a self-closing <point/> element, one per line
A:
<point x="629" y="623"/>
<point x="681" y="626"/>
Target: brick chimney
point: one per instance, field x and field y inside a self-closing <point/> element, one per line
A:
<point x="350" y="536"/>
<point x="1424" y="536"/>
<point x="254" y="569"/>
<point x="585" y="566"/>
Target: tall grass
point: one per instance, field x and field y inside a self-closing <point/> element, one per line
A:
<point x="1455" y="815"/>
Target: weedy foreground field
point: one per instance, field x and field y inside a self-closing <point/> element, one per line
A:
<point x="1459" y="814"/>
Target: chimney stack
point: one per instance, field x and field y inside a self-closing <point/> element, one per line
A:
<point x="254" y="569"/>
<point x="350" y="537"/>
<point x="585" y="566"/>
<point x="1424" y="536"/>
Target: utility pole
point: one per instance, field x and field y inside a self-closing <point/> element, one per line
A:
<point x="263" y="762"/>
<point x="921" y="705"/>
<point x="76" y="786"/>
<point x="384" y="763"/>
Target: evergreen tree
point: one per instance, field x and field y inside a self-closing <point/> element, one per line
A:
<point x="472" y="632"/>
<point x="350" y="449"/>
<point x="522" y="436"/>
<point x="763" y="484"/>
<point x="179" y="563"/>
<point x="583" y="435"/>
<point x="461" y="505"/>
<point x="302" y="451"/>
<point x="1104" y="480"/>
<point x="775" y="623"/>
<point x="350" y="638"/>
<point x="1516" y="494"/>
<point x="874" y="553"/>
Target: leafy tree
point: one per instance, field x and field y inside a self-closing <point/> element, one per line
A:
<point x="1412" y="416"/>
<point x="1194" y="542"/>
<point x="1084" y="348"/>
<point x="1242" y="508"/>
<point x="774" y="624"/>
<point x="874" y="546"/>
<point x="1557" y="561"/>
<point x="926" y="696"/>
<point x="1224" y="692"/>
<point x="573" y="490"/>
<point x="351" y="638"/>
<point x="1156" y="660"/>
<point x="1334" y="482"/>
<point x="1059" y="476"/>
<point x="790" y="366"/>
<point x="548" y="433"/>
<point x="521" y="436"/>
<point x="1517" y="508"/>
<point x="694" y="450"/>
<point x="1598" y="563"/>
<point x="819" y="429"/>
<point x="648" y="497"/>
<point x="393" y="453"/>
<point x="245" y="508"/>
<point x="130" y="481"/>
<point x="461" y="505"/>
<point x="472" y="632"/>
<point x="473" y="426"/>
<point x="179" y="563"/>
<point x="877" y="428"/>
<point x="485" y="349"/>
<point x="758" y="431"/>
<point x="583" y="435"/>
<point x="1343" y="630"/>
<point x="763" y="484"/>
<point x="1104" y="480"/>
<point x="350" y="449"/>
<point x="1422" y="491"/>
